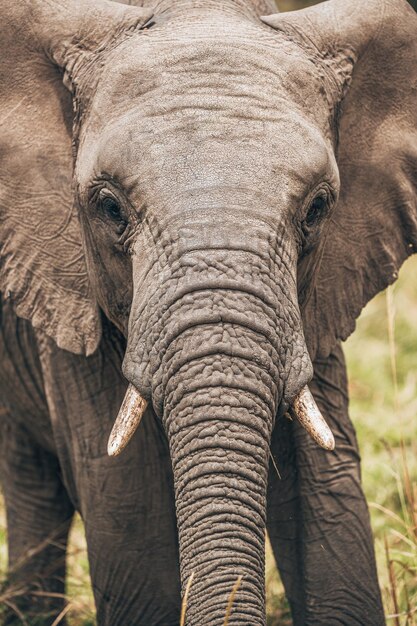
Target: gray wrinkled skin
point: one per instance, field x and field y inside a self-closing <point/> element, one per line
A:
<point x="262" y="189"/>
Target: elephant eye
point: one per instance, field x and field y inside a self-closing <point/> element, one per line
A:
<point x="110" y="206"/>
<point x="316" y="210"/>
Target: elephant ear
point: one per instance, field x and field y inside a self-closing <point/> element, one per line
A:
<point x="369" y="52"/>
<point x="42" y="264"/>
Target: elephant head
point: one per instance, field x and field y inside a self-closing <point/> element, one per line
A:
<point x="230" y="192"/>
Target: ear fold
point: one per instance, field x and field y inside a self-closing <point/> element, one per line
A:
<point x="370" y="50"/>
<point x="42" y="266"/>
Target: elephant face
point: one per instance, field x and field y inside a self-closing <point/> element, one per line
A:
<point x="154" y="175"/>
<point x="242" y="189"/>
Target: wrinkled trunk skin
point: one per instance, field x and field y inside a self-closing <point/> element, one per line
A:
<point x="217" y="344"/>
<point x="219" y="413"/>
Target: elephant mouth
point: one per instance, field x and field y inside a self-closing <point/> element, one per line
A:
<point x="303" y="408"/>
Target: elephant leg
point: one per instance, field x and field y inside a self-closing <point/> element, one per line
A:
<point x="318" y="519"/>
<point x="284" y="519"/>
<point x="127" y="502"/>
<point x="39" y="515"/>
<point x="38" y="509"/>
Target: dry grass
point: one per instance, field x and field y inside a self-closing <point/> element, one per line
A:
<point x="80" y="608"/>
<point x="185" y="600"/>
<point x="400" y="543"/>
<point x="231" y="600"/>
<point x="382" y="359"/>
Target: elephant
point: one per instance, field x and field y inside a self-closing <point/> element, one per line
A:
<point x="198" y="197"/>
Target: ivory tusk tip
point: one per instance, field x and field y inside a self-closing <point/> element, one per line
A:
<point x="114" y="447"/>
<point x="306" y="411"/>
<point x="127" y="421"/>
<point x="328" y="442"/>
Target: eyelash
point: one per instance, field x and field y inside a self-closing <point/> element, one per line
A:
<point x="311" y="219"/>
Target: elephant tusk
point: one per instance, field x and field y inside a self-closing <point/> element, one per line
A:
<point x="306" y="411"/>
<point x="128" y="419"/>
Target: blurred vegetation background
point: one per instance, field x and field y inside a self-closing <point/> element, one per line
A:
<point x="382" y="363"/>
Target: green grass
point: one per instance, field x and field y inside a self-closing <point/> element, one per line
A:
<point x="382" y="362"/>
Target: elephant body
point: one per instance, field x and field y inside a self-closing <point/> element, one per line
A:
<point x="53" y="439"/>
<point x="196" y="202"/>
<point x="59" y="409"/>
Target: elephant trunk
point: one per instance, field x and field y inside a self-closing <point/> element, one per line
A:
<point x="219" y="412"/>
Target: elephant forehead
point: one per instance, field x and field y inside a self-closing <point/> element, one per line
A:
<point x="209" y="68"/>
<point x="212" y="104"/>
